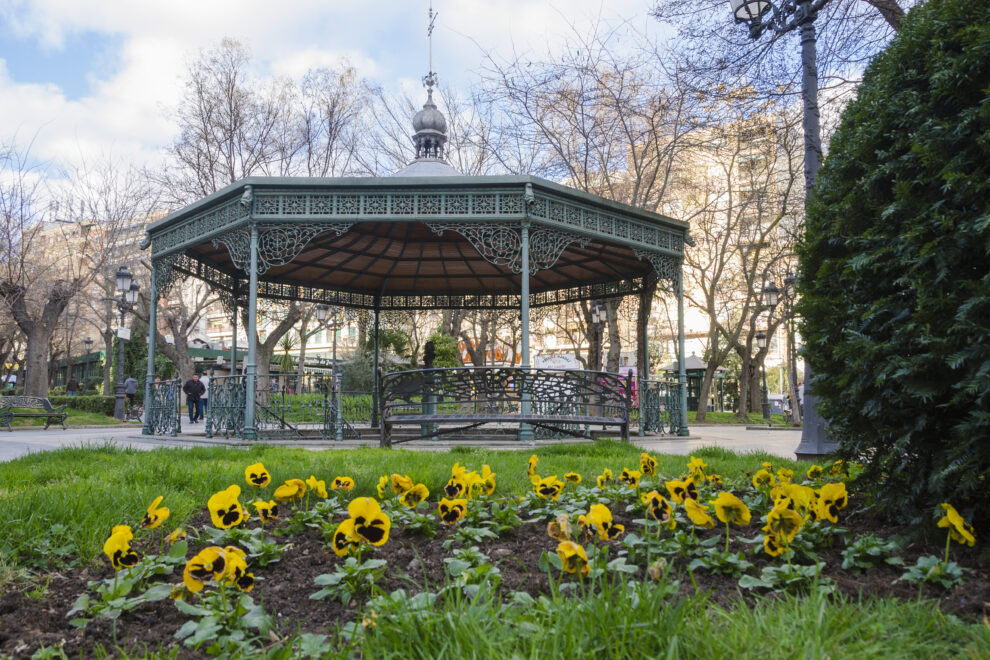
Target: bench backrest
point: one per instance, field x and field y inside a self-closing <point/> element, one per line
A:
<point x="37" y="402"/>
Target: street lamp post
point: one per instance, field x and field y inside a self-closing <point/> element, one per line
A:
<point x="322" y="312"/>
<point x="761" y="343"/>
<point x="789" y="296"/>
<point x="128" y="290"/>
<point x="89" y="348"/>
<point x="792" y="14"/>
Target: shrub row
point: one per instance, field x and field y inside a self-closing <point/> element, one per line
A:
<point x="102" y="405"/>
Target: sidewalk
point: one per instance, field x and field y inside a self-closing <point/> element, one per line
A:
<point x="779" y="442"/>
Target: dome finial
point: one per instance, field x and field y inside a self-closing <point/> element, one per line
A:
<point x="429" y="123"/>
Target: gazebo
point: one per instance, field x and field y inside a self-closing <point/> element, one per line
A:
<point x="424" y="238"/>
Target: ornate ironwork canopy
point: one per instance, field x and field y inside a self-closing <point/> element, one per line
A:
<point x="415" y="242"/>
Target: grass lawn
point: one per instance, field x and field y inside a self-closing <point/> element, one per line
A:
<point x="731" y="418"/>
<point x="57" y="508"/>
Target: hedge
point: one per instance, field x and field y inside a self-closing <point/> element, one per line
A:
<point x="94" y="404"/>
<point x="896" y="269"/>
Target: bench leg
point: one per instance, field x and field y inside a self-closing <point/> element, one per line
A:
<point x="385" y="437"/>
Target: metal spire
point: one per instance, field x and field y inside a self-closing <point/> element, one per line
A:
<point x="430" y="79"/>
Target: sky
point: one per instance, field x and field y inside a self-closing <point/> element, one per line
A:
<point x="86" y="79"/>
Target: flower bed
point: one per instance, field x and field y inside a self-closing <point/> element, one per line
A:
<point x="298" y="564"/>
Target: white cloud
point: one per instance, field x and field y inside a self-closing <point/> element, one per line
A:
<point x="128" y="113"/>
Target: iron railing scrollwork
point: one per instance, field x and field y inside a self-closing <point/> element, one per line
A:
<point x="162" y="415"/>
<point x="225" y="411"/>
<point x="660" y="407"/>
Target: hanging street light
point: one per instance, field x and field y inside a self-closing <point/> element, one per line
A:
<point x="128" y="291"/>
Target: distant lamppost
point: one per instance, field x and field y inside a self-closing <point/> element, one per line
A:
<point x="598" y="319"/>
<point x="771" y="295"/>
<point x="789" y="15"/>
<point x="128" y="290"/>
<point x="335" y="323"/>
<point x="790" y="293"/>
<point x="89" y="348"/>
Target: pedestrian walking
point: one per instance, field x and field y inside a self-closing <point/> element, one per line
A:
<point x="130" y="390"/>
<point x="72" y="387"/>
<point x="194" y="392"/>
<point x="205" y="380"/>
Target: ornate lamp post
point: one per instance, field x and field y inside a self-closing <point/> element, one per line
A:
<point x="89" y="348"/>
<point x="789" y="295"/>
<point x="598" y="319"/>
<point x="322" y="312"/>
<point x="128" y="290"/>
<point x="783" y="17"/>
<point x="771" y="296"/>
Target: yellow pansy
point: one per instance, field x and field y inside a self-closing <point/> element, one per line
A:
<point x="696" y="470"/>
<point x="832" y="498"/>
<point x="573" y="558"/>
<point x="549" y="487"/>
<point x="772" y="545"/>
<point x="452" y="510"/>
<point x="600" y="518"/>
<point x="630" y="477"/>
<point x="698" y="513"/>
<point x="682" y="490"/>
<point x="382" y="485"/>
<point x="316" y="486"/>
<point x="400" y="483"/>
<point x="648" y="464"/>
<point x="236" y="573"/>
<point x="256" y="475"/>
<point x="572" y="478"/>
<point x="785" y="476"/>
<point x="290" y="491"/>
<point x="731" y="509"/>
<point x="531" y="466"/>
<point x="176" y="535"/>
<point x="959" y="529"/>
<point x="784" y="523"/>
<point x="266" y="510"/>
<point x="455" y="488"/>
<point x="344" y="540"/>
<point x="342" y="483"/>
<point x="763" y="479"/>
<point x="209" y="563"/>
<point x="815" y="471"/>
<point x="414" y="496"/>
<point x="604" y="478"/>
<point x="487" y="480"/>
<point x="225" y="509"/>
<point x="117" y="548"/>
<point x="802" y="498"/>
<point x="370" y="523"/>
<point x="657" y="506"/>
<point x="155" y="516"/>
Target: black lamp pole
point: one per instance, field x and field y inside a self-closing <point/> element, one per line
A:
<point x="790" y="15"/>
<point x="128" y="290"/>
<point x="89" y="348"/>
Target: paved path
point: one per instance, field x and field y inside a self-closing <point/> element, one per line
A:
<point x="738" y="438"/>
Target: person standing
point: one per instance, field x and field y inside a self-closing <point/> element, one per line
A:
<point x="72" y="387"/>
<point x="130" y="390"/>
<point x="194" y="392"/>
<point x="205" y="380"/>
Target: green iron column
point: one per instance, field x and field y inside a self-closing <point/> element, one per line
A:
<point x="525" y="430"/>
<point x="375" y="394"/>
<point x="250" y="432"/>
<point x="152" y="331"/>
<point x="681" y="367"/>
<point x="233" y="338"/>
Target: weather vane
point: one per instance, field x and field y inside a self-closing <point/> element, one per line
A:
<point x="430" y="79"/>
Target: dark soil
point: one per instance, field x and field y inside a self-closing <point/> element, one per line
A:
<point x="414" y="562"/>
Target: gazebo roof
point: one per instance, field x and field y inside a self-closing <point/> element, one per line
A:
<point x="416" y="241"/>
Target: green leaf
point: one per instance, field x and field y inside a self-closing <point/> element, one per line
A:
<point x="750" y="582"/>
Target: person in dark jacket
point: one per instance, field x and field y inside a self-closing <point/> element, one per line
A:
<point x="72" y="387"/>
<point x="194" y="391"/>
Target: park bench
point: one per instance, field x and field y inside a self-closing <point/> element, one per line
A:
<point x="12" y="407"/>
<point x="447" y="401"/>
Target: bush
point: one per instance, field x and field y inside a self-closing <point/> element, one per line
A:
<point x="102" y="405"/>
<point x="896" y="288"/>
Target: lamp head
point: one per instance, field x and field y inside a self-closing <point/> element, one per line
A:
<point x="124" y="279"/>
<point x="771" y="294"/>
<point x="761" y="339"/>
<point x="749" y="11"/>
<point x="321" y="313"/>
<point x="131" y="295"/>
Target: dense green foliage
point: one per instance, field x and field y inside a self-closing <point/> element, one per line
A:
<point x="102" y="405"/>
<point x="446" y="352"/>
<point x="896" y="289"/>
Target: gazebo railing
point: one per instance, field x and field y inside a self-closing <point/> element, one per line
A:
<point x="660" y="406"/>
<point x="161" y="411"/>
<point x="285" y="405"/>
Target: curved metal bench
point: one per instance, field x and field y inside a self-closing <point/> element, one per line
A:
<point x="52" y="415"/>
<point x="445" y="401"/>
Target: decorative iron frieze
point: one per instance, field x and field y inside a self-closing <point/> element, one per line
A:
<point x="165" y="273"/>
<point x="665" y="266"/>
<point x="277" y="244"/>
<point x="501" y="244"/>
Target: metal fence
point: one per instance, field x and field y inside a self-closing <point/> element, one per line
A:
<point x="660" y="407"/>
<point x="161" y="411"/>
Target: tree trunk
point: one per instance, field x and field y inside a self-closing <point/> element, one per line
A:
<point x="36" y="361"/>
<point x="612" y="359"/>
<point x="303" y="340"/>
<point x="744" y="381"/>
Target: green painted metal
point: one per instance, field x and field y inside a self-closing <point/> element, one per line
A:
<point x="525" y="430"/>
<point x="161" y="408"/>
<point x="375" y="395"/>
<point x="233" y="340"/>
<point x="660" y="408"/>
<point x="681" y="373"/>
<point x="250" y="431"/>
<point x="150" y="375"/>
